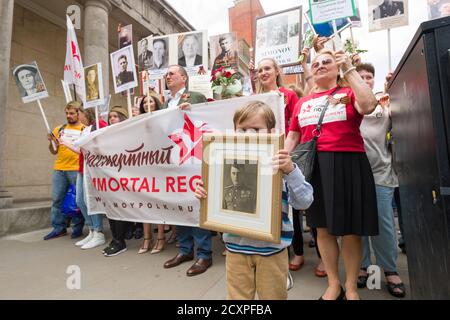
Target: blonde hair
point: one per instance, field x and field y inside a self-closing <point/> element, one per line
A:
<point x="340" y="81"/>
<point x="279" y="80"/>
<point x="252" y="108"/>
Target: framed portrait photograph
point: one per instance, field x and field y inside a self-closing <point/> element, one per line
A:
<point x="192" y="51"/>
<point x="93" y="84"/>
<point x="278" y="35"/>
<point x="29" y="82"/>
<point x="438" y="9"/>
<point x="123" y="69"/>
<point x="224" y="51"/>
<point x="125" y="36"/>
<point x="387" y="14"/>
<point x="244" y="192"/>
<point x="161" y="53"/>
<point x="145" y="55"/>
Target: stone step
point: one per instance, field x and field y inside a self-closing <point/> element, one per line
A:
<point x="25" y="217"/>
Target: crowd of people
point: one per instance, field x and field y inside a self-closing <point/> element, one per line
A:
<point x="347" y="201"/>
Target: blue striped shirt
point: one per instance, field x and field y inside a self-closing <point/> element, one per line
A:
<point x="296" y="192"/>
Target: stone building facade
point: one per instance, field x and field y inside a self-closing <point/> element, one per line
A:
<point x="35" y="30"/>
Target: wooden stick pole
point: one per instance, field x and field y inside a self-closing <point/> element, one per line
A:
<point x="46" y="122"/>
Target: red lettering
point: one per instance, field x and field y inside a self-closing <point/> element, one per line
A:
<point x="144" y="186"/>
<point x="193" y="182"/>
<point x="170" y="181"/>
<point x="135" y="180"/>
<point x="101" y="184"/>
<point x="154" y="188"/>
<point x="124" y="183"/>
<point x="113" y="189"/>
<point x="182" y="184"/>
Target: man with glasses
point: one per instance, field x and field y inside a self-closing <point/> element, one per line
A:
<point x="176" y="80"/>
<point x="188" y="237"/>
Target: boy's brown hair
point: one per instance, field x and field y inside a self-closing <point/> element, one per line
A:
<point x="250" y="109"/>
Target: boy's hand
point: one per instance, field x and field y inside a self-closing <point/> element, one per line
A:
<point x="200" y="192"/>
<point x="282" y="161"/>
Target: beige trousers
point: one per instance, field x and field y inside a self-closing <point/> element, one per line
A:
<point x="250" y="274"/>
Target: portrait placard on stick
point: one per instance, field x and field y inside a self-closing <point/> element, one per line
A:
<point x="278" y="36"/>
<point x="192" y="51"/>
<point x="123" y="70"/>
<point x="93" y="82"/>
<point x="29" y="82"/>
<point x="125" y="35"/>
<point x="385" y="14"/>
<point x="224" y="51"/>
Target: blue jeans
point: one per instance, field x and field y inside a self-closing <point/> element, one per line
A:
<point x="95" y="221"/>
<point x="187" y="236"/>
<point x="385" y="244"/>
<point x="60" y="184"/>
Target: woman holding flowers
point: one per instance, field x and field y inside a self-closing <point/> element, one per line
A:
<point x="344" y="189"/>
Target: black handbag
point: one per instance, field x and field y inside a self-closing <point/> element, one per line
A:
<point x="304" y="155"/>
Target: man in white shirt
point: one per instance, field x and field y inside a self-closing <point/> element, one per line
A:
<point x="176" y="79"/>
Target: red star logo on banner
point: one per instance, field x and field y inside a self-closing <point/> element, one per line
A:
<point x="189" y="140"/>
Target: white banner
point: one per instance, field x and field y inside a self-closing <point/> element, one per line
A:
<point x="73" y="67"/>
<point x="145" y="169"/>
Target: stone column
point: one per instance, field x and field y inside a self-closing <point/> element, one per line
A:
<point x="96" y="40"/>
<point x="6" y="25"/>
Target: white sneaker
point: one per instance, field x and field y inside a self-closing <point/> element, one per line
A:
<point x="98" y="239"/>
<point x="290" y="282"/>
<point x="85" y="240"/>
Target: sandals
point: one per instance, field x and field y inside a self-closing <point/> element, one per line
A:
<point x="145" y="249"/>
<point x="362" y="280"/>
<point x="393" y="286"/>
<point x="155" y="249"/>
<point x="172" y="238"/>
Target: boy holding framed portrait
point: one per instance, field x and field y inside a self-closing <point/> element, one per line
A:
<point x="259" y="266"/>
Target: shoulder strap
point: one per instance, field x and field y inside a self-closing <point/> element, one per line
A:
<point x="325" y="107"/>
<point x="62" y="128"/>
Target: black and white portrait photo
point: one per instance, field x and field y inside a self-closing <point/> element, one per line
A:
<point x="438" y="8"/>
<point x="29" y="82"/>
<point x="145" y="55"/>
<point x="278" y="36"/>
<point x="160" y="50"/>
<point x="387" y="14"/>
<point x="239" y="187"/>
<point x="388" y="8"/>
<point x="125" y="36"/>
<point x="277" y="31"/>
<point x="190" y="48"/>
<point x="124" y="72"/>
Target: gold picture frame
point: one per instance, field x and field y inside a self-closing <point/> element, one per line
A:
<point x="244" y="192"/>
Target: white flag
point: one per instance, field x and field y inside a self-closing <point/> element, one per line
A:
<point x="73" y="68"/>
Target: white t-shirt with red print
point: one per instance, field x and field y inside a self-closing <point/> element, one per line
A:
<point x="340" y="127"/>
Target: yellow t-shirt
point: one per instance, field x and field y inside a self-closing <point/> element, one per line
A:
<point x="66" y="159"/>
